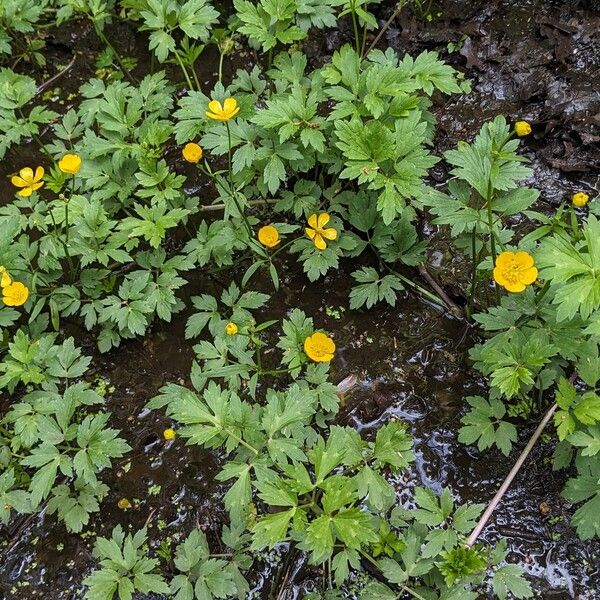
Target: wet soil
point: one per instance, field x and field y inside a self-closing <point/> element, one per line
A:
<point x="534" y="60"/>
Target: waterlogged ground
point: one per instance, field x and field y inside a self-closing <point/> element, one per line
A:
<point x="535" y="60"/>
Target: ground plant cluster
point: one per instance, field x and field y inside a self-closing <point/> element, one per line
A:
<point x="298" y="164"/>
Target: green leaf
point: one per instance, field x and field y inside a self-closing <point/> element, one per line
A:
<point x="373" y="289"/>
<point x="271" y="529"/>
<point x="393" y="446"/>
<point x="586" y="487"/>
<point x="483" y="424"/>
<point x="509" y="580"/>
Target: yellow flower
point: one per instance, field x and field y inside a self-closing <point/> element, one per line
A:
<point x="29" y="181"/>
<point x="319" y="347"/>
<point x="124" y="504"/>
<point x="231" y="328"/>
<point x="5" y="279"/>
<point x="316" y="231"/>
<point x="222" y="112"/>
<point x="580" y="199"/>
<point x="15" y="294"/>
<point x="192" y="152"/>
<point x="169" y="434"/>
<point x="515" y="270"/>
<point x="269" y="236"/>
<point x="70" y="164"/>
<point x="522" y="128"/>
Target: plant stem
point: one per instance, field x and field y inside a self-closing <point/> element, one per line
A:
<point x="71" y="268"/>
<point x="195" y="75"/>
<point x="238" y="439"/>
<point x="509" y="478"/>
<point x="490" y="216"/>
<point x="184" y="71"/>
<point x="470" y="305"/>
<point x="425" y="292"/>
<point x="401" y="586"/>
<point x="231" y="186"/>
<point x="105" y="41"/>
<point x="356" y="36"/>
<point x="221" y="57"/>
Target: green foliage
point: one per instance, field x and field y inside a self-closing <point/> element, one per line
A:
<point x="269" y="22"/>
<point x="166" y="20"/>
<point x="205" y="578"/>
<point x="483" y="424"/>
<point x="125" y="568"/>
<point x="573" y="266"/>
<point x="17" y="120"/>
<point x="585" y="488"/>
<point x="373" y="289"/>
<point x="539" y="341"/>
<point x="51" y="436"/>
<point x="111" y="248"/>
<point x="19" y="18"/>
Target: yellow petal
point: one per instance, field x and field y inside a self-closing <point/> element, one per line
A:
<point x="499" y="277"/>
<point x="214" y="106"/>
<point x="312" y="221"/>
<point x="5" y="278"/>
<point x="26" y="174"/>
<point x="323" y="220"/>
<point x="330" y="234"/>
<point x="524" y="259"/>
<point x="37" y="186"/>
<point x="229" y="105"/>
<point x="18" y="181"/>
<point x="528" y="276"/>
<point x="310" y="232"/>
<point x="505" y="259"/>
<point x="15" y="294"/>
<point x="25" y="192"/>
<point x="39" y="173"/>
<point x="320" y="243"/>
<point x="515" y="286"/>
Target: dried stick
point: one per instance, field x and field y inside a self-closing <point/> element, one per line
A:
<point x="385" y="27"/>
<point x="454" y="308"/>
<point x="214" y="207"/>
<point x="509" y="478"/>
<point x="49" y="82"/>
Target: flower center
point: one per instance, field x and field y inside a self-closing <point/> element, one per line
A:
<point x="512" y="273"/>
<point x="318" y="350"/>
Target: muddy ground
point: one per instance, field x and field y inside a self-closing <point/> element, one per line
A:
<point x="532" y="60"/>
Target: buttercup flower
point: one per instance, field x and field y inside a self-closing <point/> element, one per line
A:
<point x="269" y="236"/>
<point x="15" y="294"/>
<point x="124" y="504"/>
<point x="222" y="112"/>
<point x="319" y="347"/>
<point x="70" y="164"/>
<point x="580" y="199"/>
<point x="231" y="328"/>
<point x="317" y="232"/>
<point x="5" y="279"/>
<point x="514" y="271"/>
<point x="169" y="434"/>
<point x="522" y="128"/>
<point x="192" y="152"/>
<point x="28" y="180"/>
